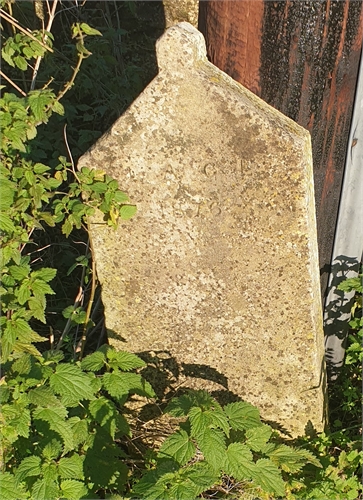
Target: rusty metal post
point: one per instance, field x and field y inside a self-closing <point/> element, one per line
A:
<point x="302" y="58"/>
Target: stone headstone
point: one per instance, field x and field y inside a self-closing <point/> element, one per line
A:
<point x="219" y="268"/>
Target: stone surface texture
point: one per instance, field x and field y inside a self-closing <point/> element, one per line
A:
<point x="219" y="268"/>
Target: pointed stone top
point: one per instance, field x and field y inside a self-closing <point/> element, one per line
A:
<point x="181" y="45"/>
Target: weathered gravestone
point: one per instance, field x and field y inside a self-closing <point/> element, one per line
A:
<point x="219" y="268"/>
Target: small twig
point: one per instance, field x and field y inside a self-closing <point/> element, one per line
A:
<point x="13" y="84"/>
<point x="70" y="153"/>
<point x="12" y="21"/>
<point x="90" y="301"/>
<point x="45" y="37"/>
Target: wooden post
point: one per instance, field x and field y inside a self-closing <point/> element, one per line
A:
<point x="303" y="59"/>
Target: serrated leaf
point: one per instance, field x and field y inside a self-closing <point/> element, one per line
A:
<point x="202" y="475"/>
<point x="104" y="412"/>
<point x="29" y="467"/>
<point x="119" y="384"/>
<point x="71" y="468"/>
<point x="23" y="365"/>
<point x="88" y="30"/>
<point x="179" y="447"/>
<point x="267" y="475"/>
<point x="69" y="380"/>
<point x="120" y="197"/>
<point x="212" y="444"/>
<point x="37" y="306"/>
<point x="291" y="459"/>
<point x="45" y="490"/>
<point x="257" y="437"/>
<point x="46" y="274"/>
<point x="40" y="287"/>
<point x="239" y="462"/>
<point x="93" y="362"/>
<point x="183" y="490"/>
<point x="242" y="415"/>
<point x="52" y="450"/>
<point x="124" y="360"/>
<point x="9" y="489"/>
<point x="6" y="223"/>
<point x="73" y="490"/>
<point x="55" y="417"/>
<point x="127" y="211"/>
<point x="80" y="430"/>
<point x="43" y="396"/>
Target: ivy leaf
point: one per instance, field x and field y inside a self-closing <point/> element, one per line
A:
<point x="69" y="380"/>
<point x="242" y="415"/>
<point x="239" y="462"/>
<point x="267" y="475"/>
<point x="9" y="488"/>
<point x="71" y="468"/>
<point x="73" y="490"/>
<point x="212" y="444"/>
<point x="257" y="437"/>
<point x="29" y="467"/>
<point x="179" y="447"/>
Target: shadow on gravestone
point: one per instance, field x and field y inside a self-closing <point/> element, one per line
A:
<point x="219" y="267"/>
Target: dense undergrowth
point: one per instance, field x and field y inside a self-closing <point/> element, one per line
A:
<point x="68" y="422"/>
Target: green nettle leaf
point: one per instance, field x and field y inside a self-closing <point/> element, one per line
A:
<point x="124" y="360"/>
<point x="46" y="274"/>
<point x="52" y="450"/>
<point x="239" y="462"/>
<point x="73" y="490"/>
<point x="180" y="407"/>
<point x="292" y="459"/>
<point x="24" y="293"/>
<point x="45" y="490"/>
<point x="127" y="211"/>
<point x="104" y="412"/>
<point x="93" y="362"/>
<point x="120" y="197"/>
<point x="69" y="380"/>
<point x="178" y="447"/>
<point x="29" y="467"/>
<point x="267" y="475"/>
<point x="6" y="223"/>
<point x="44" y="396"/>
<point x="202" y="475"/>
<point x="9" y="487"/>
<point x="23" y="365"/>
<point x="55" y="417"/>
<point x="37" y="307"/>
<point x="71" y="468"/>
<point x="88" y="30"/>
<point x="242" y="415"/>
<point x="40" y="287"/>
<point x="213" y="446"/>
<point x="79" y="429"/>
<point x="184" y="490"/>
<point x="257" y="437"/>
<point x="119" y="384"/>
